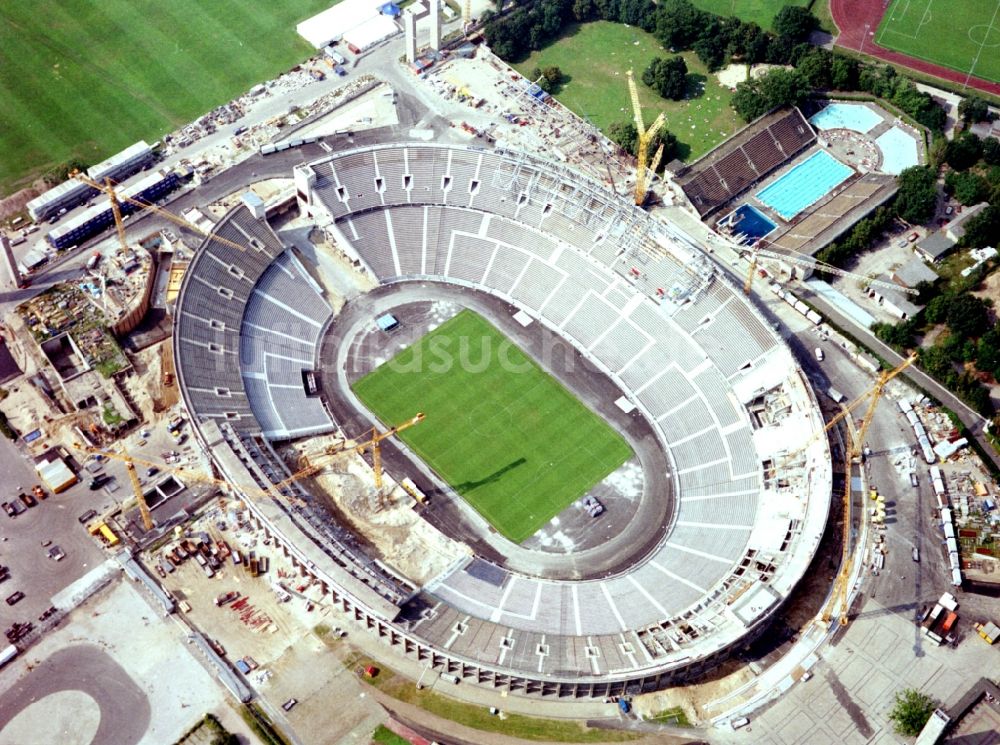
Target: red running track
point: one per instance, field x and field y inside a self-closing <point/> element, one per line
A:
<point x="851" y="16"/>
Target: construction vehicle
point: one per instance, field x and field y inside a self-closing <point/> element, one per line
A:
<point x="645" y="137"/>
<point x="988" y="631"/>
<point x="855" y="447"/>
<point x="810" y="263"/>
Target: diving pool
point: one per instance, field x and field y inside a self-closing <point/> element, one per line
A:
<point x="805" y="184"/>
<point x="846" y="116"/>
<point x="748" y="222"/>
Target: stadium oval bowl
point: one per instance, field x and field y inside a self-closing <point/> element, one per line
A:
<point x="729" y="403"/>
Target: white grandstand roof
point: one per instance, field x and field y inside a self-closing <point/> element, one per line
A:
<point x="334" y="23"/>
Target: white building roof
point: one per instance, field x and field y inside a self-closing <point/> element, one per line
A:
<point x="334" y="23"/>
<point x="371" y="31"/>
<point x="128" y="155"/>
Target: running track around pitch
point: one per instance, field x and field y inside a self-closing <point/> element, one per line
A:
<point x="851" y="17"/>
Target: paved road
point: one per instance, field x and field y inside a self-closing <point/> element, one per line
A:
<point x="125" y="712"/>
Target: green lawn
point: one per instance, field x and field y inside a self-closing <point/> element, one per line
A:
<point x="761" y="12"/>
<point x="955" y="34"/>
<point x="84" y="79"/>
<point x="506" y="435"/>
<point x="595" y="57"/>
<point x="385" y="736"/>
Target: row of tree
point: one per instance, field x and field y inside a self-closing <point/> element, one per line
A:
<point x="818" y="69"/>
<point x="677" y="24"/>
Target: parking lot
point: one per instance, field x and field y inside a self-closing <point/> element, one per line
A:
<point x="22" y="539"/>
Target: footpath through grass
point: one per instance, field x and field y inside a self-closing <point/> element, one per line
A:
<point x="501" y="431"/>
<point x="954" y="34"/>
<point x="595" y="57"/>
<point x="84" y="79"/>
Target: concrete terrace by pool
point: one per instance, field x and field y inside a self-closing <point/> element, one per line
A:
<point x="899" y="151"/>
<point x="805" y="184"/>
<point x="854" y="116"/>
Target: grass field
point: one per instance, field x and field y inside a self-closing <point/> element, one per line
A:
<point x="761" y="12"/>
<point x="953" y="33"/>
<point x="506" y="435"/>
<point x="84" y="79"/>
<point x="595" y="56"/>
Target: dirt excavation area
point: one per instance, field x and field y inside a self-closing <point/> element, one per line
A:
<point x="391" y="524"/>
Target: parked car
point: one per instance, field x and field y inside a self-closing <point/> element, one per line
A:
<point x="56" y="554"/>
<point x="912" y="237"/>
<point x="819" y="355"/>
<point x="27" y="499"/>
<point x="289" y="704"/>
<point x="152" y="471"/>
<point x="15" y="598"/>
<point x="38" y="491"/>
<point x="9" y="509"/>
<point x="87" y="516"/>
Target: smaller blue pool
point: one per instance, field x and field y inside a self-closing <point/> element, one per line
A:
<point x="749" y="223"/>
<point x="805" y="184"/>
<point x="846" y="116"/>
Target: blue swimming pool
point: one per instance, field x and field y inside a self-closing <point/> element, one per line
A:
<point x="854" y="116"/>
<point x="805" y="184"/>
<point x="899" y="151"/>
<point x="749" y="223"/>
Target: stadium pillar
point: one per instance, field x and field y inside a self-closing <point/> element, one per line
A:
<point x="410" y="29"/>
<point x="10" y="261"/>
<point x="435" y="14"/>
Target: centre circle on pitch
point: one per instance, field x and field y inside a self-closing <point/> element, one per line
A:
<point x="986" y="36"/>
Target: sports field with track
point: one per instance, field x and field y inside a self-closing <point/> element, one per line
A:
<point x="963" y="35"/>
<point x="84" y="79"/>
<point x="501" y="431"/>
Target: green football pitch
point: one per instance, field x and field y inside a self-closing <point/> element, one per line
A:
<point x="85" y="79"/>
<point x="961" y="34"/>
<point x="501" y="431"/>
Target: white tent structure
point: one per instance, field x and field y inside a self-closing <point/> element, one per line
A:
<point x="357" y="22"/>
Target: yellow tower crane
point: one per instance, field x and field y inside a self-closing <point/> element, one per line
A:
<point x="309" y="464"/>
<point x="375" y="443"/>
<point x="645" y="137"/>
<point x="116" y="199"/>
<point x="814" y="264"/>
<point x="855" y="447"/>
<point x="147" y="518"/>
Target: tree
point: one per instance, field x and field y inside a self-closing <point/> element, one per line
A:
<point x="982" y="229"/>
<point x="624" y="135"/>
<point x="973" y="109"/>
<point x="668" y="77"/>
<point x="553" y="74"/>
<point x="911" y="712"/>
<point x="968" y="188"/>
<point x="816" y="65"/>
<point x="967" y="316"/>
<point x="679" y="24"/>
<point x="795" y="22"/>
<point x="991" y="151"/>
<point x="963" y="152"/>
<point x="917" y="195"/>
<point x="844" y="73"/>
<point x="754" y="98"/>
